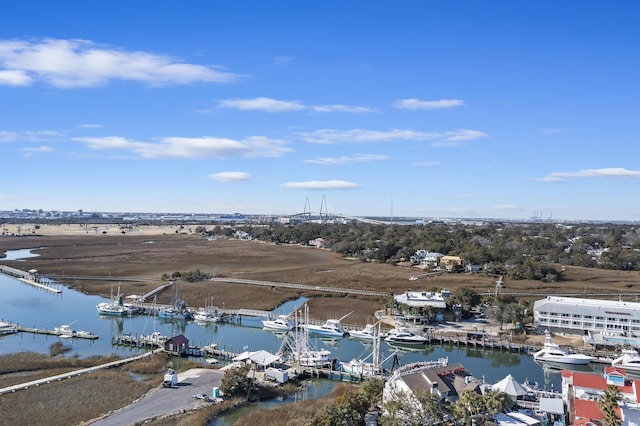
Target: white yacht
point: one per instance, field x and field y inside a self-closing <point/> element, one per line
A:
<point x="369" y="332"/>
<point x="553" y="353"/>
<point x="331" y="328"/>
<point x="401" y="335"/>
<point x="629" y="360"/>
<point x="282" y="323"/>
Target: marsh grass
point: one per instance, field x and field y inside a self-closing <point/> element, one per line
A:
<point x="74" y="400"/>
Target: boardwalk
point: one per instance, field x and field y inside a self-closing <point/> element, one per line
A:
<point x="29" y="278"/>
<point x="301" y="287"/>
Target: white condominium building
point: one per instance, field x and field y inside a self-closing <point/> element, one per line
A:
<point x="580" y="316"/>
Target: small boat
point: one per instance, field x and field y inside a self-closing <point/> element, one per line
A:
<point x="155" y="338"/>
<point x="65" y="330"/>
<point x="553" y="353"/>
<point x="629" y="360"/>
<point x="401" y="335"/>
<point x="205" y="315"/>
<point x="282" y="323"/>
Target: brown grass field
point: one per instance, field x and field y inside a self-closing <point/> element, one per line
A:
<point x="150" y="255"/>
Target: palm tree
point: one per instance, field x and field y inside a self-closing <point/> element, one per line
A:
<point x="609" y="404"/>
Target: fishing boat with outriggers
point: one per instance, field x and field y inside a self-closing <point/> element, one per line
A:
<point x="297" y="348"/>
<point x="365" y="367"/>
<point x="116" y="306"/>
<point x="281" y="323"/>
<point x="552" y="353"/>
<point x="331" y="327"/>
<point x="177" y="309"/>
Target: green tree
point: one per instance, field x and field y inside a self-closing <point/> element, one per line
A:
<point x="609" y="404"/>
<point x="423" y="408"/>
<point x="236" y="381"/>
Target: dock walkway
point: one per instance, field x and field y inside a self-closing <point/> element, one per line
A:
<point x="29" y="278"/>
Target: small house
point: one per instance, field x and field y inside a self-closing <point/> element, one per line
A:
<point x="176" y="345"/>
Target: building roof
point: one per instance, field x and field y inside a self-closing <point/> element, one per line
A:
<point x="552" y="405"/>
<point x="421" y="299"/>
<point x="584" y="306"/>
<point x="180" y="339"/>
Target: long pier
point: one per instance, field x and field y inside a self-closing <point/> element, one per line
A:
<point x="29" y="278"/>
<point x="46" y="331"/>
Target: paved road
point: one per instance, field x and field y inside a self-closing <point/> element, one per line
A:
<point x="161" y="401"/>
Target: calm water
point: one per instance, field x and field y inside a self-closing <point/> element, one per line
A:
<point x="30" y="306"/>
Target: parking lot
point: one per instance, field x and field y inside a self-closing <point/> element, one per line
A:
<point x="162" y="401"/>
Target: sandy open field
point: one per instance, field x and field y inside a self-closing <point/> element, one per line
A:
<point x="152" y="251"/>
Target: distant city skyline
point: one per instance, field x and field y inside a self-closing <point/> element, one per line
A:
<point x="461" y="109"/>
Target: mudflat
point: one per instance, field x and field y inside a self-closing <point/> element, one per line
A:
<point x="150" y="252"/>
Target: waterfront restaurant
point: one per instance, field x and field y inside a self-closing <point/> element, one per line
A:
<point x="582" y="316"/>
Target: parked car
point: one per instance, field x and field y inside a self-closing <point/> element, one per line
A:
<point x="200" y="396"/>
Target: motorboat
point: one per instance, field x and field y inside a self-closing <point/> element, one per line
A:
<point x="401" y="335"/>
<point x="369" y="332"/>
<point x="552" y="353"/>
<point x="331" y="328"/>
<point x="281" y="323"/>
<point x="629" y="360"/>
<point x="155" y="338"/>
<point x="65" y="330"/>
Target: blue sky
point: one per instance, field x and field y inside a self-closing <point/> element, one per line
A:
<point x="494" y="109"/>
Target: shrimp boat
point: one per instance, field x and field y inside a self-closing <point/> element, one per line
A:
<point x="116" y="306"/>
<point x="297" y="349"/>
<point x="364" y="367"/>
<point x="176" y="310"/>
<point x="207" y="314"/>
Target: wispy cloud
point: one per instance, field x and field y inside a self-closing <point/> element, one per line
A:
<point x="360" y="158"/>
<point x="230" y="176"/>
<point x="467" y="196"/>
<point x="275" y="105"/>
<point x="8" y="136"/>
<point x="440" y="139"/>
<point x="261" y="104"/>
<point x="342" y="108"/>
<point x="592" y="173"/>
<point x="204" y="147"/>
<point x="30" y="136"/>
<point x="318" y="185"/>
<point x="415" y="104"/>
<point x="90" y="126"/>
<point x="83" y="63"/>
<point x="28" y="152"/>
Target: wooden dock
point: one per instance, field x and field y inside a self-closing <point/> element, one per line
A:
<point x="46" y="331"/>
<point x="28" y="278"/>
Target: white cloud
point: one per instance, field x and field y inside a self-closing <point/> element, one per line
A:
<point x="415" y="104"/>
<point x="204" y="147"/>
<point x="28" y="152"/>
<point x="360" y="158"/>
<point x="82" y="63"/>
<point x="592" y="173"/>
<point x="90" y="126"/>
<point x="333" y="136"/>
<point x="261" y="104"/>
<point x="316" y="184"/>
<point x="14" y="78"/>
<point x="465" y="196"/>
<point x="342" y="108"/>
<point x="230" y="176"/>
